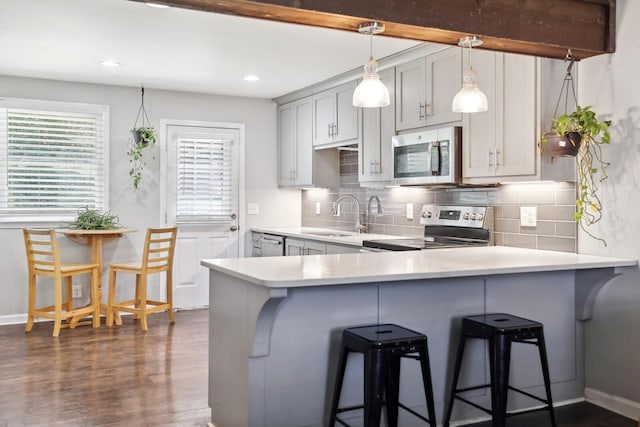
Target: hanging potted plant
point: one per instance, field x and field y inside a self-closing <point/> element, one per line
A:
<point x="589" y="161"/>
<point x="579" y="133"/>
<point x="142" y="136"/>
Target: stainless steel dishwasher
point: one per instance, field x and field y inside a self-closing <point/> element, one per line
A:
<point x="267" y="244"/>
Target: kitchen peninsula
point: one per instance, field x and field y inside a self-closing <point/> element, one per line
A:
<point x="275" y="324"/>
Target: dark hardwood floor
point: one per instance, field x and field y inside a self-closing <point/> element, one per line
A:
<point x="117" y="376"/>
<point x="124" y="377"/>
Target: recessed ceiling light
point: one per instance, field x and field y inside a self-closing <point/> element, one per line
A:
<point x="157" y="5"/>
<point x="110" y="63"/>
<point x="251" y="78"/>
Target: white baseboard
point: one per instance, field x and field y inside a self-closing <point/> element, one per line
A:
<point x="619" y="405"/>
<point x="21" y="319"/>
<point x="13" y="319"/>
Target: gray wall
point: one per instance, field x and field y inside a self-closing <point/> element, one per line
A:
<point x="609" y="83"/>
<point x="142" y="209"/>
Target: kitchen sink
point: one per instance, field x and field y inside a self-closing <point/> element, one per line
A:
<point x="331" y="234"/>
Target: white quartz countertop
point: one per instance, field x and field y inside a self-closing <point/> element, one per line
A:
<point x="325" y="235"/>
<point x="338" y="269"/>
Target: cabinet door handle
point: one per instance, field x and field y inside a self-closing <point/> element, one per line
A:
<point x="498" y="152"/>
<point x="329" y="130"/>
<point x="335" y="130"/>
<point x="489" y="155"/>
<point x="420" y="111"/>
<point x="427" y="109"/>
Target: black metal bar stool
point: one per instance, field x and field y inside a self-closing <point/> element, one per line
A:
<point x="382" y="346"/>
<point x="500" y="330"/>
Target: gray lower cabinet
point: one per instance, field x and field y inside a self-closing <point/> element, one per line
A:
<point x="312" y="247"/>
<point x="341" y="249"/>
<point x="304" y="247"/>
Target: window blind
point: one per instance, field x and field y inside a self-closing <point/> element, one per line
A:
<point x="51" y="162"/>
<point x="205" y="181"/>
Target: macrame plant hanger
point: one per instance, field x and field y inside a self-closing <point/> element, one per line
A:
<point x="566" y="85"/>
<point x="142" y="111"/>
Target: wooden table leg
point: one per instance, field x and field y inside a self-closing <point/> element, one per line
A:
<point x="96" y="258"/>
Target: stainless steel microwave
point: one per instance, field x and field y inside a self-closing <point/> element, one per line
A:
<point x="428" y="157"/>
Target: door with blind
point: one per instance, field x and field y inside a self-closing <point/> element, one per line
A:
<point x="202" y="197"/>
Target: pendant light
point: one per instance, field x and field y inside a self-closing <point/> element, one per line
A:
<point x="371" y="92"/>
<point x="470" y="99"/>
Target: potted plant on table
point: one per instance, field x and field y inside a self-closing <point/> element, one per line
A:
<point x="91" y="219"/>
<point x="582" y="129"/>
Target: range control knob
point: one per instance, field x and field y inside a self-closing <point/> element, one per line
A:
<point x="466" y="216"/>
<point x="473" y="217"/>
<point x="479" y="217"/>
<point x="426" y="214"/>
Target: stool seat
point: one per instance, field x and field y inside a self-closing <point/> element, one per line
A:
<point x="383" y="346"/>
<point x="500" y="329"/>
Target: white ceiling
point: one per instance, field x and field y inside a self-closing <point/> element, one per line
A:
<point x="175" y="49"/>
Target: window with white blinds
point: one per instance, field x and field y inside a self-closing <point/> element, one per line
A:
<point x="53" y="159"/>
<point x="205" y="180"/>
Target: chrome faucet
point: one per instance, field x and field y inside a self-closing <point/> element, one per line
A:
<point x="336" y="207"/>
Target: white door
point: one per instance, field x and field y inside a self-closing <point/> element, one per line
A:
<point x="202" y="186"/>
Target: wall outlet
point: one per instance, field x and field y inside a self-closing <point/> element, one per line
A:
<point x="317" y="208"/>
<point x="76" y="290"/>
<point x="409" y="210"/>
<point x="528" y="216"/>
<point x="253" y="208"/>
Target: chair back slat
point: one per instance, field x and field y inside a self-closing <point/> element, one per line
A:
<point x="159" y="248"/>
<point x="42" y="250"/>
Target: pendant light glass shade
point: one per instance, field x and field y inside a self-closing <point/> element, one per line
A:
<point x="371" y="92"/>
<point x="470" y="99"/>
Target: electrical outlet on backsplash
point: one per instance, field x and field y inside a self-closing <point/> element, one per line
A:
<point x="555" y="203"/>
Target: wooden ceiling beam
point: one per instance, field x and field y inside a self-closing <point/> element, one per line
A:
<point x="535" y="27"/>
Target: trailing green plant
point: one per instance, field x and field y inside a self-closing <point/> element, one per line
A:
<point x="591" y="166"/>
<point x="90" y="219"/>
<point x="136" y="148"/>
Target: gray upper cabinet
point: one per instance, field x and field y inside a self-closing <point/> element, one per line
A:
<point x="335" y="119"/>
<point x="295" y="146"/>
<point x="299" y="164"/>
<point x="501" y="141"/>
<point x="499" y="145"/>
<point x="425" y="88"/>
<point x="375" y="160"/>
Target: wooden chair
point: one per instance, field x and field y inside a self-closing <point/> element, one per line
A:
<point x="43" y="260"/>
<point x="157" y="257"/>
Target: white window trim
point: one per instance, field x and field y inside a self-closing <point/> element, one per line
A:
<point x="67" y="107"/>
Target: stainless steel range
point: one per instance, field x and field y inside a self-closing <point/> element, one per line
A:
<point x="444" y="227"/>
